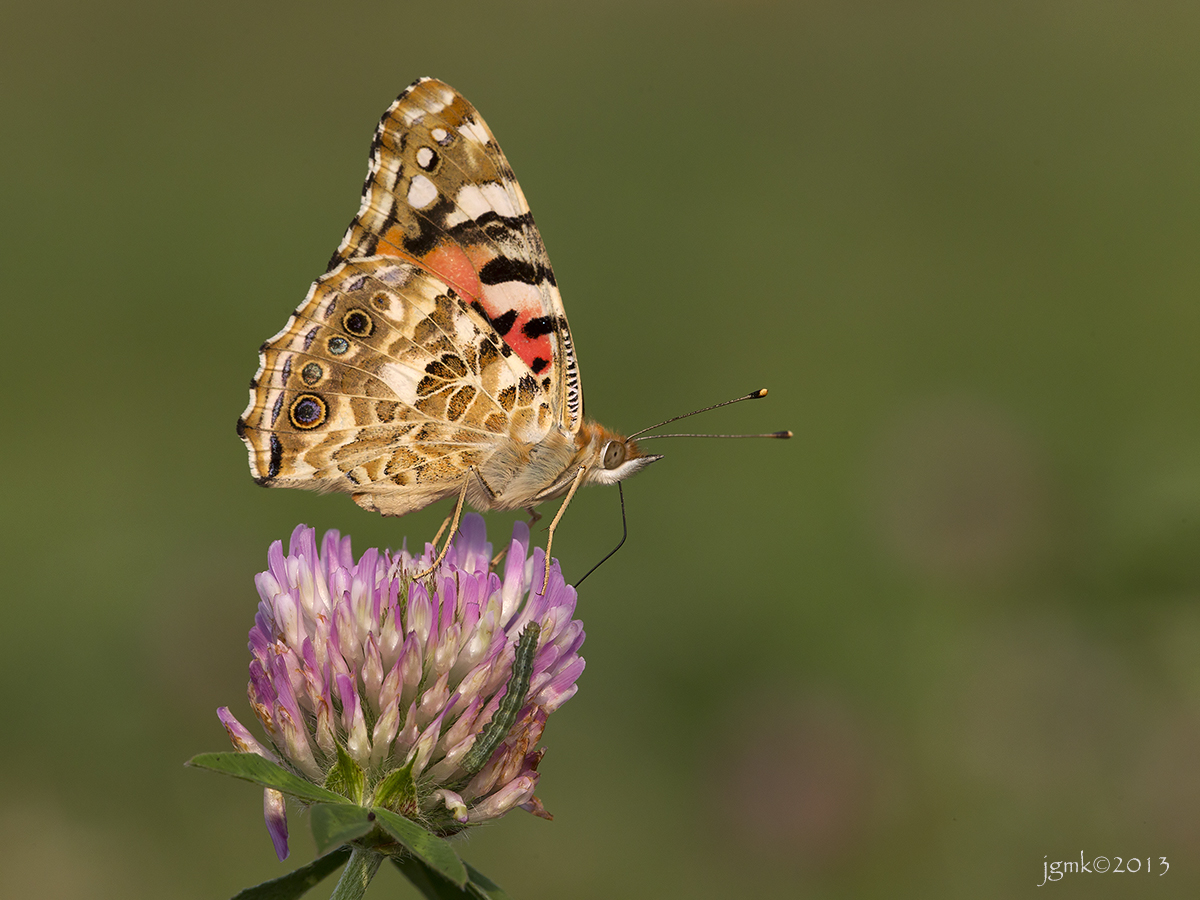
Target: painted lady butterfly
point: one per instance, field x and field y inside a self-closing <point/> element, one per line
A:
<point x="433" y="358"/>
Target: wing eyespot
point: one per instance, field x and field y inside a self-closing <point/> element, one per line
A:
<point x="358" y="322"/>
<point x="308" y="411"/>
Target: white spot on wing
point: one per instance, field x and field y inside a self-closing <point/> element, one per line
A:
<point x="387" y="171"/>
<point x="456" y="217"/>
<point x="474" y="131"/>
<point x="398" y="276"/>
<point x="498" y="199"/>
<point x="439" y="135"/>
<point x="441" y="98"/>
<point x="513" y="295"/>
<point x="424" y="155"/>
<point x="421" y="192"/>
<point x="401" y="379"/>
<point x="472" y="201"/>
<point x="464" y="330"/>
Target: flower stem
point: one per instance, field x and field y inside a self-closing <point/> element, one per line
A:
<point x="360" y="869"/>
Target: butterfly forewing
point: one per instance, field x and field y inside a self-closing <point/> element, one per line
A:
<point x="440" y="192"/>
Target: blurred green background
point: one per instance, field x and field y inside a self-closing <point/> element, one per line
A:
<point x="946" y="634"/>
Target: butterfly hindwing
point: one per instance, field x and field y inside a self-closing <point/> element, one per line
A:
<point x="387" y="384"/>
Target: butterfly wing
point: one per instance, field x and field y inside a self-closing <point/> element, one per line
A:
<point x="435" y="338"/>
<point x="388" y="385"/>
<point x="439" y="192"/>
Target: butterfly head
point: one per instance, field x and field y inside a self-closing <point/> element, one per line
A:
<point x="613" y="457"/>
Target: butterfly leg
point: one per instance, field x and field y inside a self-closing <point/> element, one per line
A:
<point x="534" y="516"/>
<point x="462" y="496"/>
<point x="437" y="537"/>
<point x="578" y="480"/>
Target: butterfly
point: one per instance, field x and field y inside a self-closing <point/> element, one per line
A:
<point x="433" y="358"/>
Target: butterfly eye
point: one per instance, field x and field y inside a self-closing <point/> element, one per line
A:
<point x="614" y="454"/>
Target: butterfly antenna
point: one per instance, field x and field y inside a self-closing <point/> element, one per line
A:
<point x="624" y="534"/>
<point x="753" y="395"/>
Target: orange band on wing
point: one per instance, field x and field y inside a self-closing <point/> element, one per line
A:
<point x="450" y="263"/>
<point x="460" y="270"/>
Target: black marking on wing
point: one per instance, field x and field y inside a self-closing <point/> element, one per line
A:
<point x="535" y="328"/>
<point x="275" y="463"/>
<point x="526" y="390"/>
<point x="376" y="146"/>
<point x="504" y="231"/>
<point x="505" y="268"/>
<point x="539" y="364"/>
<point x="502" y="324"/>
<point x="491" y="217"/>
<point x="574" y="396"/>
<point x="431" y="232"/>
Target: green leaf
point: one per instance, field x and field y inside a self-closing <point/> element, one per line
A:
<point x="429" y="848"/>
<point x="252" y="767"/>
<point x="346" y="777"/>
<point x="430" y="885"/>
<point x="398" y="791"/>
<point x="482" y="886"/>
<point x="334" y="824"/>
<point x="434" y="887"/>
<point x="299" y="882"/>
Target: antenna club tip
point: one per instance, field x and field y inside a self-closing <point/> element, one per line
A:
<point x="760" y="393"/>
<point x="783" y="434"/>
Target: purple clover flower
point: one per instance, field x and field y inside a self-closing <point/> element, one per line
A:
<point x="357" y="659"/>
